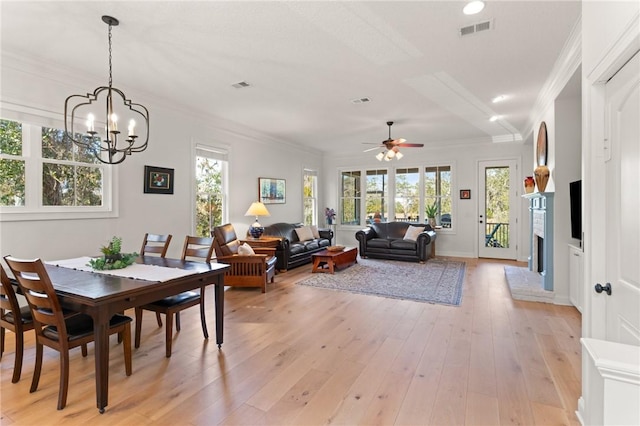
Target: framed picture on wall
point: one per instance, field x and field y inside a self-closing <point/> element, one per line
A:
<point x="272" y="191"/>
<point x="465" y="194"/>
<point x="158" y="180"/>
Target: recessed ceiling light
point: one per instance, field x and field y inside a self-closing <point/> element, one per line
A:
<point x="499" y="98"/>
<point x="494" y="117"/>
<point x="473" y="7"/>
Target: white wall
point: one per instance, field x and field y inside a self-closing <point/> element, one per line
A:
<point x="463" y="239"/>
<point x="173" y="132"/>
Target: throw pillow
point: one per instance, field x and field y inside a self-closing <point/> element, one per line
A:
<point x="413" y="232"/>
<point x="304" y="233"/>
<point x="314" y="231"/>
<point x="245" y="250"/>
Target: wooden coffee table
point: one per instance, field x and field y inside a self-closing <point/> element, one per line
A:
<point x="334" y="259"/>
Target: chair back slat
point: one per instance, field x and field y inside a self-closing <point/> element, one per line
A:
<point x="8" y="299"/>
<point x="199" y="247"/>
<point x="155" y="243"/>
<point x="37" y="288"/>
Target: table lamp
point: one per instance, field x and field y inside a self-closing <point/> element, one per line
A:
<point x="257" y="209"/>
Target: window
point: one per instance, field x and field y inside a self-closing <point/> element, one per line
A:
<point x="407" y="199"/>
<point x="211" y="183"/>
<point x="377" y="209"/>
<point x="350" y="201"/>
<point x="310" y="197"/>
<point x="437" y="191"/>
<point x="403" y="195"/>
<point x="43" y="175"/>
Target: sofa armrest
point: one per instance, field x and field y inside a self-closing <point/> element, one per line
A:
<point x="363" y="236"/>
<point x="269" y="251"/>
<point x="326" y="233"/>
<point x="424" y="241"/>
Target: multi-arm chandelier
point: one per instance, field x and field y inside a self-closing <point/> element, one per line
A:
<point x="103" y="138"/>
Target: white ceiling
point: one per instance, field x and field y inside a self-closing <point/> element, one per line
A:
<point x="306" y="61"/>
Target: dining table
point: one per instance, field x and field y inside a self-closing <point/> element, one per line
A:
<point x="102" y="295"/>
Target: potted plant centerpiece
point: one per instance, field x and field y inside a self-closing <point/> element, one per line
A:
<point x="112" y="257"/>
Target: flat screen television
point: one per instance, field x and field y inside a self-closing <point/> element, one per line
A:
<point x="575" y="196"/>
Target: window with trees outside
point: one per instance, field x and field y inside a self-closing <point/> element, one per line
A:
<point x="350" y="207"/>
<point x="377" y="209"/>
<point x="414" y="191"/>
<point x="437" y="193"/>
<point x="211" y="189"/>
<point x="42" y="170"/>
<point x="310" y="197"/>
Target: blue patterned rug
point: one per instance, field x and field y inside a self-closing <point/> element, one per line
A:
<point x="435" y="281"/>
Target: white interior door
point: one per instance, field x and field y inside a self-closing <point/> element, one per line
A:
<point x="497" y="208"/>
<point x="621" y="227"/>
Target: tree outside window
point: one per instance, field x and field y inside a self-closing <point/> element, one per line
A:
<point x="209" y="195"/>
<point x="437" y="190"/>
<point x="377" y="209"/>
<point x="407" y="199"/>
<point x="351" y="197"/>
<point x="12" y="166"/>
<point x="310" y="198"/>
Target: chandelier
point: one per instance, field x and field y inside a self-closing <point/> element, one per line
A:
<point x="102" y="138"/>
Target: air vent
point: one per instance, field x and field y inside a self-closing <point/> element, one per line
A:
<point x="476" y="28"/>
<point x="240" y="85"/>
<point x="360" y="100"/>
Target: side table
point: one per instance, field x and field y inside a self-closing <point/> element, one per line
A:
<point x="269" y="242"/>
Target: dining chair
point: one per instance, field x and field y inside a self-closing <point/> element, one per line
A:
<point x="194" y="247"/>
<point x="59" y="328"/>
<point x="253" y="270"/>
<point x="15" y="318"/>
<point x="155" y="243"/>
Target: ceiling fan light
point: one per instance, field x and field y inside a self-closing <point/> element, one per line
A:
<point x="380" y="156"/>
<point x="386" y="158"/>
<point x="391" y="154"/>
<point x="399" y="155"/>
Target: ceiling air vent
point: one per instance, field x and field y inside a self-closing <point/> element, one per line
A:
<point x="476" y="28"/>
<point x="240" y="85"/>
<point x="360" y="100"/>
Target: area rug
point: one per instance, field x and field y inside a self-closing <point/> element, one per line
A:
<point x="435" y="281"/>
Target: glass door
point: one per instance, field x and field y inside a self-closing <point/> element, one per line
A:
<point x="497" y="205"/>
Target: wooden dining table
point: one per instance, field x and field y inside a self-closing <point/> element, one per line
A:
<point x="101" y="296"/>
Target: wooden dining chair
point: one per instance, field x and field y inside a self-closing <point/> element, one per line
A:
<point x="58" y="328"/>
<point x="194" y="247"/>
<point x="15" y="318"/>
<point x="155" y="243"/>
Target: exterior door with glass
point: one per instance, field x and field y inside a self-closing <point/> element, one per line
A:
<point x="497" y="201"/>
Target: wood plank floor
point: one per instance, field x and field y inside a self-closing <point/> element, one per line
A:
<point x="304" y="356"/>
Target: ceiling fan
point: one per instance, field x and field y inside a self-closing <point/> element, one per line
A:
<point x="391" y="146"/>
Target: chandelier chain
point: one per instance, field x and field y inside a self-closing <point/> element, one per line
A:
<point x="110" y="68"/>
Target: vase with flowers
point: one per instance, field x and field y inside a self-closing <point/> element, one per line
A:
<point x="330" y="214"/>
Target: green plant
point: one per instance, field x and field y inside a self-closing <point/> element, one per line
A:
<point x="114" y="247"/>
<point x="432" y="210"/>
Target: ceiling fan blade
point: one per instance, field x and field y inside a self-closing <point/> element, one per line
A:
<point x="374" y="148"/>
<point x="411" y="145"/>
<point x="398" y="141"/>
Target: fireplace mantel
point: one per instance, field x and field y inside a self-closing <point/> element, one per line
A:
<point x="541" y="232"/>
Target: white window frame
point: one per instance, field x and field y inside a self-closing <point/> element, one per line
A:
<point x="32" y="121"/>
<point x="313" y="198"/>
<point x="220" y="153"/>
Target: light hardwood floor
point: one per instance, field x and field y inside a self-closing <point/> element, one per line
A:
<point x="305" y="356"/>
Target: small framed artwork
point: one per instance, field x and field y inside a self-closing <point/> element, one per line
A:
<point x="465" y="194"/>
<point x="158" y="180"/>
<point x="272" y="191"/>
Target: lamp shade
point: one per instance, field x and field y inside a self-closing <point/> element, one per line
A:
<point x="257" y="209"/>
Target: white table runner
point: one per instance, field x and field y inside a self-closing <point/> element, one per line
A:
<point x="136" y="271"/>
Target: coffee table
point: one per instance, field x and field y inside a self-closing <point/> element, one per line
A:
<point x="334" y="259"/>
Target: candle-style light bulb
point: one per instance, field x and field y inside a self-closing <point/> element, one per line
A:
<point x="114" y="123"/>
<point x="90" y="119"/>
<point x="132" y="126"/>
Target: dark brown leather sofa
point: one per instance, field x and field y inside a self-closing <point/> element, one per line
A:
<point x="291" y="252"/>
<point x="386" y="241"/>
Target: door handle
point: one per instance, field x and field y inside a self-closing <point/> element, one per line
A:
<point x="606" y="288"/>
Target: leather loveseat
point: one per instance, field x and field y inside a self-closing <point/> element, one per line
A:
<point x="291" y="252"/>
<point x="390" y="240"/>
